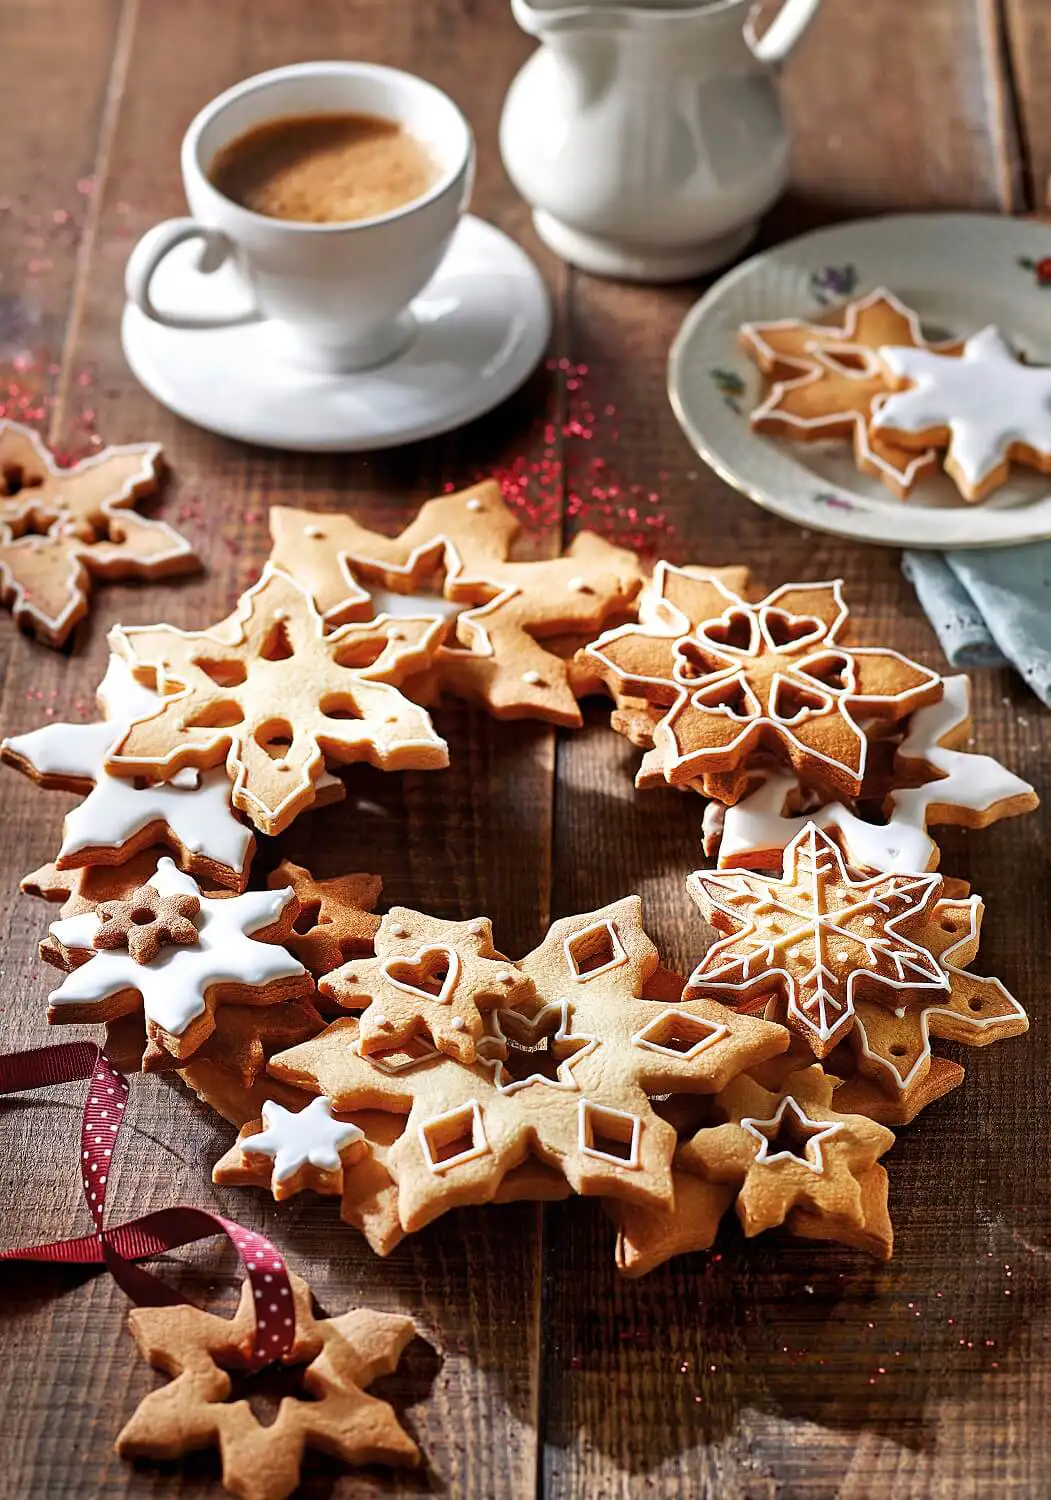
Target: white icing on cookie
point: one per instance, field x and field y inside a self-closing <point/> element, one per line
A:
<point x="195" y="806"/>
<point x="987" y="399"/>
<point x="173" y="987"/>
<point x="294" y="1140"/>
<point x="976" y="783"/>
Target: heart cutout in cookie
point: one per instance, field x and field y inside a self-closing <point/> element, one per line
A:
<point x="783" y="630"/>
<point x="731" y="696"/>
<point x="791" y="701"/>
<point x="736" y="630"/>
<point x="429" y="972"/>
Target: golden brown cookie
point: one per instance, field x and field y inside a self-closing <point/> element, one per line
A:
<point x="62" y="529"/>
<point x="269" y="695"/>
<point x="289" y="1151"/>
<point x="502" y="611"/>
<point x="341" y="1356"/>
<point x="733" y="680"/>
<point x="335" y="920"/>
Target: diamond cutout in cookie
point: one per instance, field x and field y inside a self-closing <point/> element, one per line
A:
<point x="609" y="1134"/>
<point x="409" y="1054"/>
<point x="452" y="1139"/>
<point x="594" y="951"/>
<point x="676" y="1033"/>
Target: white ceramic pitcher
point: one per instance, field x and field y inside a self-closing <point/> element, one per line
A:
<point x="649" y="139"/>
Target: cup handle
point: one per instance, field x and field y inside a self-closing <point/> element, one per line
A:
<point x="155" y="244"/>
<point x="785" y="30"/>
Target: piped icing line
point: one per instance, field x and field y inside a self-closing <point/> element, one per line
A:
<point x="989" y="401"/>
<point x="174" y="986"/>
<point x="194" y="807"/>
<point x="309" y="1137"/>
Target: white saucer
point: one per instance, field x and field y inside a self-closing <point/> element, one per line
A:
<point x="482" y="325"/>
<point x="959" y="271"/>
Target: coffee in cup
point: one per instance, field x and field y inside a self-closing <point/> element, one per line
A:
<point x="325" y="169"/>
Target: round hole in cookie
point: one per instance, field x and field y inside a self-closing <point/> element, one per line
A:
<point x="975" y="1003"/>
<point x="275" y="737"/>
<point x="142" y="916"/>
<point x="949" y="923"/>
<point x="338" y="706"/>
<point x="899" y="1050"/>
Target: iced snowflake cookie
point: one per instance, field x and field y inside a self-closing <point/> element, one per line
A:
<point x="271" y="696"/>
<point x="63" y="529"/>
<point x="877" y="961"/>
<point x="828" y="379"/>
<point x="733" y="681"/>
<point x="987" y="408"/>
<point x="228" y="951"/>
<point x="289" y="1151"/>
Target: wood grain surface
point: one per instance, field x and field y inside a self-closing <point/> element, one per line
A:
<point x="768" y="1370"/>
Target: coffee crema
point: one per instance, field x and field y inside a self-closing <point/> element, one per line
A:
<point x="324" y="169"/>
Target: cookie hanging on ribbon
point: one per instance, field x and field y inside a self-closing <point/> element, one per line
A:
<point x="340" y="1357"/>
<point x="734" y="680"/>
<point x="454" y="558"/>
<point x="61" y="530"/>
<point x="269" y="695"/>
<point x="235" y="954"/>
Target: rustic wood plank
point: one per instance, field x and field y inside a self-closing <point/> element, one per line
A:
<point x="1028" y="34"/>
<point x="440" y="841"/>
<point x="779" y="1369"/>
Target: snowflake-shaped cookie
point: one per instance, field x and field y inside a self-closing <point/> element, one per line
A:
<point x="501" y="611"/>
<point x="733" y="678"/>
<point x="569" y="1080"/>
<point x="62" y="528"/>
<point x="290" y="1150"/>
<point x="236" y="957"/>
<point x="341" y="1356"/>
<point x="986" y="407"/>
<point x="934" y="783"/>
<point x="119" y="817"/>
<point x="269" y="694"/>
<point x="876" y="960"/>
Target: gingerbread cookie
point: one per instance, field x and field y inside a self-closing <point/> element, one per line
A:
<point x="875" y="960"/>
<point x="335" y="919"/>
<point x="733" y="679"/>
<point x="61" y="529"/>
<point x="236" y="957"/>
<point x="502" y="611"/>
<point x="271" y="696"/>
<point x="933" y="782"/>
<point x="568" y="1080"/>
<point x="429" y="978"/>
<point x="342" y="1356"/>
<point x="289" y="1151"/>
<point x="85" y="888"/>
<point x="191" y="815"/>
<point x="986" y="407"/>
<point x="827" y="380"/>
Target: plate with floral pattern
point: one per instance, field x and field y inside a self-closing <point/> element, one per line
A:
<point x="960" y="272"/>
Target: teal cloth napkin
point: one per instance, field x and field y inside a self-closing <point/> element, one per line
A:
<point x="990" y="606"/>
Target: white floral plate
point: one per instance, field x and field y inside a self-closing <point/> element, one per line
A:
<point x="960" y="272"/>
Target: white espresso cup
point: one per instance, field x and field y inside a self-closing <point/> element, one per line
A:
<point x="338" y="295"/>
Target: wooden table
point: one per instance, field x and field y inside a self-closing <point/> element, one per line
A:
<point x="772" y="1369"/>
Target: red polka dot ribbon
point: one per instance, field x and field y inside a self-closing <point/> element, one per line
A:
<point x="119" y="1247"/>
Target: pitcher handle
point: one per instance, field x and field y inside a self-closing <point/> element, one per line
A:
<point x="786" y="29"/>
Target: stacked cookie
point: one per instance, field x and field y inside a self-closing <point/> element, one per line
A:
<point x="874" y="378"/>
<point x="405" y="1064"/>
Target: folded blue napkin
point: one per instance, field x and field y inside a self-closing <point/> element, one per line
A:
<point x="990" y="606"/>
